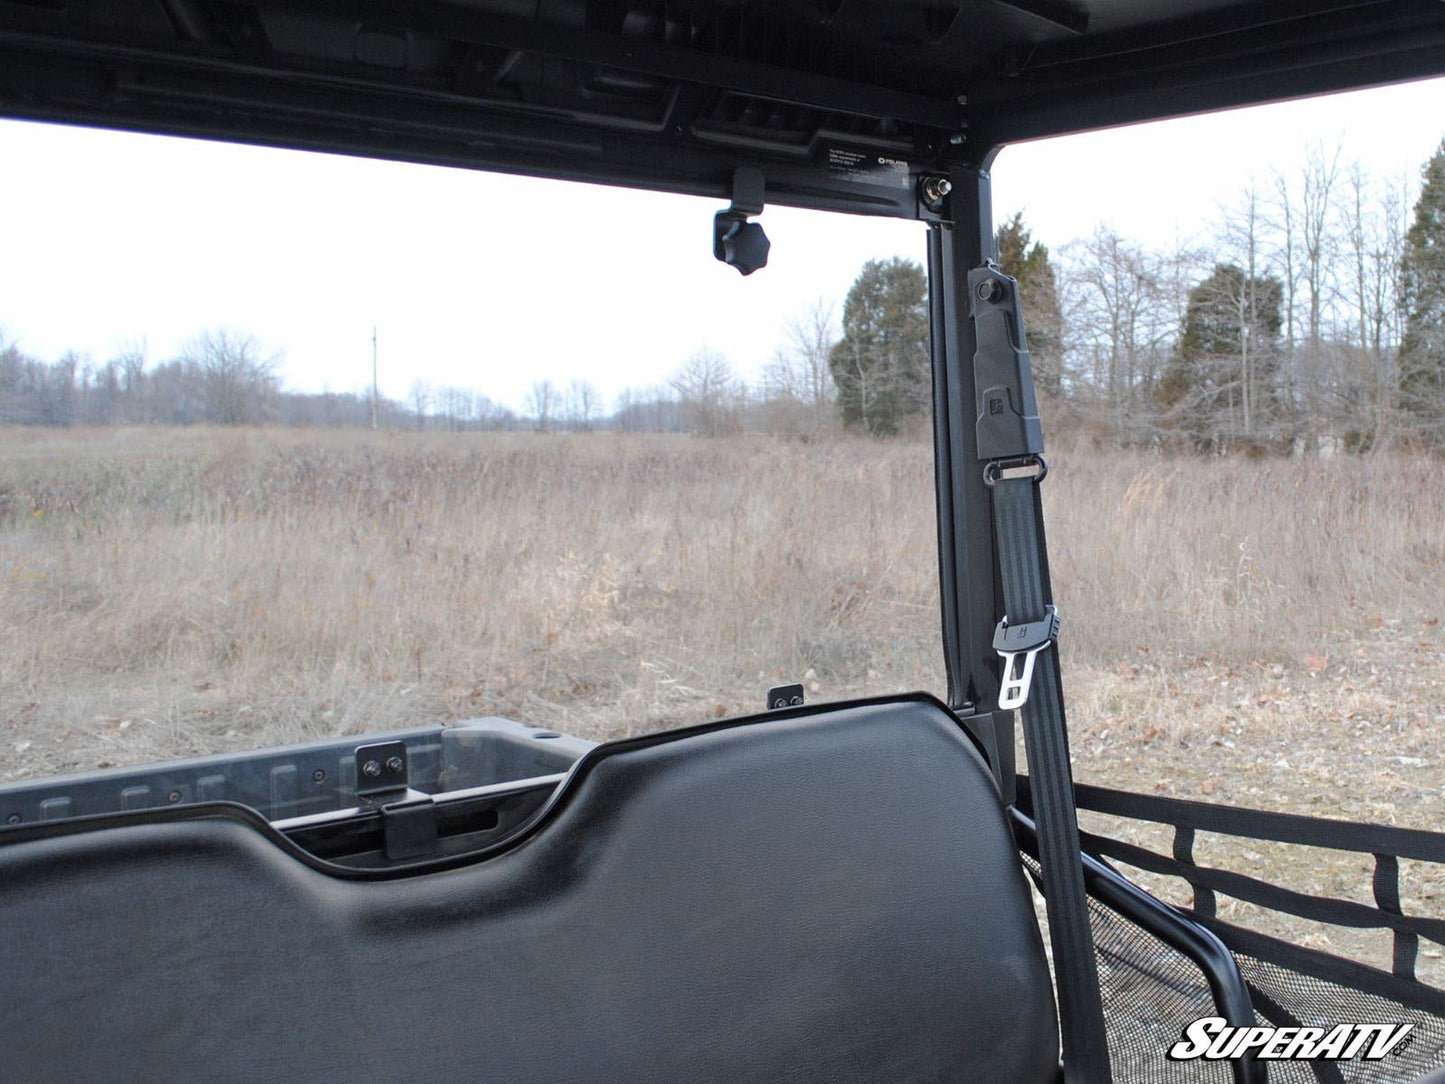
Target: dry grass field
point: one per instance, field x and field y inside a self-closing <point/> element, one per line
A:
<point x="1258" y="633"/>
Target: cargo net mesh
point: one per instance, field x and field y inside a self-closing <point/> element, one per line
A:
<point x="1151" y="992"/>
<point x="1287" y="998"/>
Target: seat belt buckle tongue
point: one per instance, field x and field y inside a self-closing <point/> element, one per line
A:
<point x="1011" y="641"/>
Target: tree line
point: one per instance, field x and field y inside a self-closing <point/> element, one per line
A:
<point x="225" y="377"/>
<point x="1310" y="316"/>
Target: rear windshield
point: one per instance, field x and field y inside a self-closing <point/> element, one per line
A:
<point x="602" y="483"/>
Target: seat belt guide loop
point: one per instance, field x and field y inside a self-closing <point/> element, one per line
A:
<point x="1027" y="640"/>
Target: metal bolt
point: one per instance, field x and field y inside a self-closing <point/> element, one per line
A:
<point x="990" y="289"/>
<point x="962" y="99"/>
<point x="173" y="797"/>
<point x="371" y="768"/>
<point x="395" y="764"/>
<point x="318" y="776"/>
<point x="796" y="701"/>
<point x="14" y="818"/>
<point x="958" y="139"/>
<point x="935" y="188"/>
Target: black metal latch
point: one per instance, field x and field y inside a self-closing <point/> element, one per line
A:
<point x="408" y="817"/>
<point x="1011" y="641"/>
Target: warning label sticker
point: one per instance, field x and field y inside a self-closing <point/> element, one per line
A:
<point x="868" y="166"/>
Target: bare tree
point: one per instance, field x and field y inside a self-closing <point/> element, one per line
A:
<point x="1316" y="239"/>
<point x="421" y="401"/>
<point x="542" y="403"/>
<point x="130" y="366"/>
<point x="1321" y="174"/>
<point x="624" y="411"/>
<point x="1285" y="226"/>
<point x="1375" y="220"/>
<point x="238" y="382"/>
<point x="708" y="388"/>
<point x="799" y="367"/>
<point x="584" y="403"/>
<point x="1254" y="298"/>
<point x="1124" y="307"/>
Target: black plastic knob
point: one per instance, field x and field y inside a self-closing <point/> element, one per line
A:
<point x="745" y="246"/>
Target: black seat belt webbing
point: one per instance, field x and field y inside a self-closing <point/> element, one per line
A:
<point x="1010" y="442"/>
<point x="1024" y="571"/>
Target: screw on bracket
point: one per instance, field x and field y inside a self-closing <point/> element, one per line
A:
<point x="381" y="769"/>
<point x="785" y="696"/>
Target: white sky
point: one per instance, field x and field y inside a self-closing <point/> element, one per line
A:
<point x="110" y="239"/>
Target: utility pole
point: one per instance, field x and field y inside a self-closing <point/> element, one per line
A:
<point x="375" y="397"/>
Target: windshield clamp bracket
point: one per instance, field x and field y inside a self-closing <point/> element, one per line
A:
<point x="785" y="696"/>
<point x="381" y="771"/>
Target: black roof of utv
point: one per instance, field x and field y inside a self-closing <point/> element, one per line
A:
<point x="828" y="97"/>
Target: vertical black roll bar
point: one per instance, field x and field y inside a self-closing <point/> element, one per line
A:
<point x="971" y="603"/>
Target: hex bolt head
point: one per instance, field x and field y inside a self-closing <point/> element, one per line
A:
<point x="173" y="797"/>
<point x="14" y="818"/>
<point x="395" y="764"/>
<point x="990" y="290"/>
<point x="935" y="188"/>
<point x="318" y="776"/>
<point x="371" y="768"/>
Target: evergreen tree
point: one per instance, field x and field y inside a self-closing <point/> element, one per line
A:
<point x="1027" y="261"/>
<point x="1422" y="298"/>
<point x="881" y="365"/>
<point x="1222" y="384"/>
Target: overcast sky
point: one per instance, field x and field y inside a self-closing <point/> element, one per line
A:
<point x="111" y="240"/>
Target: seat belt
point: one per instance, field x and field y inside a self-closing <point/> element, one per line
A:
<point x="1010" y="444"/>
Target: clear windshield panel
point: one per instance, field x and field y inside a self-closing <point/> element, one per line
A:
<point x="599" y="489"/>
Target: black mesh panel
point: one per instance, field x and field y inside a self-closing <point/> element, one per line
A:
<point x="1286" y="998"/>
<point x="1151" y="993"/>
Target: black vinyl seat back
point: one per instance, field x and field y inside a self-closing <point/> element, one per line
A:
<point x="828" y="895"/>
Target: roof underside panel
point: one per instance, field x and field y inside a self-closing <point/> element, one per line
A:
<point x="842" y="103"/>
